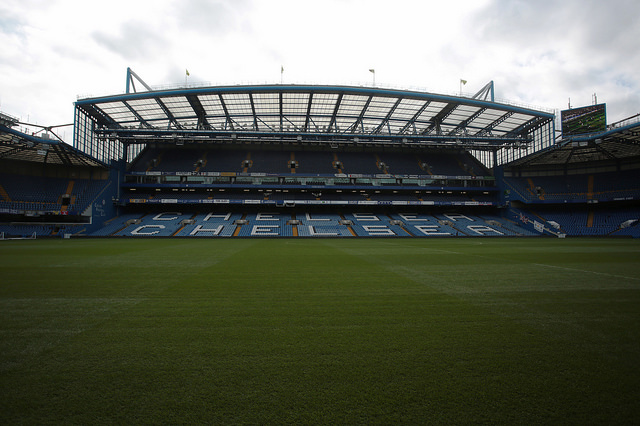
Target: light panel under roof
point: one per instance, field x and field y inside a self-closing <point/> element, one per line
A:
<point x="266" y="103"/>
<point x="180" y="107"/>
<point x="212" y="105"/>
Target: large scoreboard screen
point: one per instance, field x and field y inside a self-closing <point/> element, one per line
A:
<point x="580" y="121"/>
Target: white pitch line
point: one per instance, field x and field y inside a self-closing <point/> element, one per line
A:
<point x="551" y="266"/>
<point x="589" y="272"/>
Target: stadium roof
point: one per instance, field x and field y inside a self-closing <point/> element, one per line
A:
<point x="620" y="141"/>
<point x="16" y="145"/>
<point x="312" y="114"/>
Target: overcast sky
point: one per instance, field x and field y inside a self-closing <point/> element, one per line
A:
<point x="538" y="52"/>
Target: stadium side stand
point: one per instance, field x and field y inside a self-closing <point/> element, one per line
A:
<point x="590" y="221"/>
<point x="577" y="188"/>
<point x="34" y="193"/>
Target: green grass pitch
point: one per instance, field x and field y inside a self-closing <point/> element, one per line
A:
<point x="335" y="331"/>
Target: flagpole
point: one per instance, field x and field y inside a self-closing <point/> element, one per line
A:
<point x="461" y="83"/>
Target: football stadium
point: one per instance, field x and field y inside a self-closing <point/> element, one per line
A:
<point x="317" y="254"/>
<point x="320" y="161"/>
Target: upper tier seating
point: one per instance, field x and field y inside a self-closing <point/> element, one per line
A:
<point x="187" y="159"/>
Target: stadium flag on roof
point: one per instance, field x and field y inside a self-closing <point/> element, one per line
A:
<point x="187" y="71"/>
<point x="463" y="81"/>
<point x="372" y="70"/>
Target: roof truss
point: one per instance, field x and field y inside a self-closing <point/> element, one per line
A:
<point x="15" y="145"/>
<point x="371" y="115"/>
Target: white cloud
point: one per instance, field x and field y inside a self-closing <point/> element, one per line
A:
<point x="556" y="50"/>
<point x="539" y="53"/>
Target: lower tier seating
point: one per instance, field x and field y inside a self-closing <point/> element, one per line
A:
<point x="286" y="224"/>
